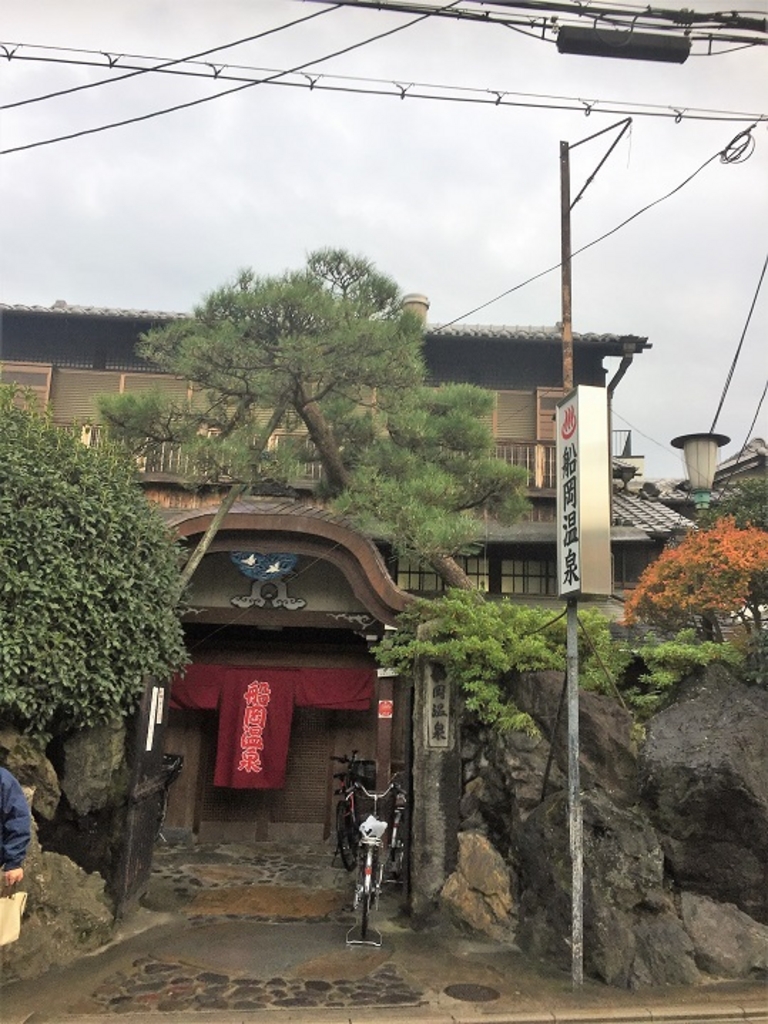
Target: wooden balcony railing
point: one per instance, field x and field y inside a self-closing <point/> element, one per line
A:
<point x="167" y="459"/>
<point x="538" y="457"/>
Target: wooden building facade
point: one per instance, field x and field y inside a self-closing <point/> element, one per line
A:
<point x="289" y="597"/>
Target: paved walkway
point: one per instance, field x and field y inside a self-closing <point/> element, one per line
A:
<point x="249" y="934"/>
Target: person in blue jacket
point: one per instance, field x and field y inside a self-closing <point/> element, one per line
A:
<point x="15" y="828"/>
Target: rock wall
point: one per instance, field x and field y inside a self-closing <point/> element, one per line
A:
<point x="68" y="912"/>
<point x="675" y="834"/>
<point x="89" y="821"/>
<point x="703" y="774"/>
<point x="67" y="915"/>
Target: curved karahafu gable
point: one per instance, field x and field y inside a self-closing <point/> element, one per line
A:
<point x="285" y="525"/>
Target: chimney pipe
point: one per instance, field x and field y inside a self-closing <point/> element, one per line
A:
<point x="417" y="304"/>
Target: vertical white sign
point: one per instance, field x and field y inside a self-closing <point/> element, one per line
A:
<point x="152" y="718"/>
<point x="583" y="494"/>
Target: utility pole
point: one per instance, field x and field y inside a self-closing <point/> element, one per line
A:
<point x="575" y="816"/>
<point x="565" y="265"/>
<point x="575" y="821"/>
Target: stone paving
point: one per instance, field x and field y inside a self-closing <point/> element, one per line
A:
<point x="286" y="887"/>
<point x="247" y="930"/>
<point x="168" y="986"/>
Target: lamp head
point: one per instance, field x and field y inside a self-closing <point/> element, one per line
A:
<point x="700" y="453"/>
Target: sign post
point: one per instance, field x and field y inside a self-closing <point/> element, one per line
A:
<point x="583" y="568"/>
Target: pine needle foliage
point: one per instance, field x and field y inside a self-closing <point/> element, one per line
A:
<point x="481" y="641"/>
<point x="668" y="662"/>
<point x="327" y="354"/>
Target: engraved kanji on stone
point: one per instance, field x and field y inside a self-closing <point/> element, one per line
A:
<point x="439" y="730"/>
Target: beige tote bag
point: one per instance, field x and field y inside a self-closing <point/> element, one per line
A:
<point x="11" y="908"/>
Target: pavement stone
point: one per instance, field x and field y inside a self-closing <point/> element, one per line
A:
<point x="285" y="954"/>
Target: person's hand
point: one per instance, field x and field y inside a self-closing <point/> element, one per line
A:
<point x="13" y="876"/>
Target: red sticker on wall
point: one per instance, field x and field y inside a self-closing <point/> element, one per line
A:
<point x="386" y="708"/>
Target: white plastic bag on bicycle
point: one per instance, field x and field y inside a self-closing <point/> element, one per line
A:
<point x="373" y="828"/>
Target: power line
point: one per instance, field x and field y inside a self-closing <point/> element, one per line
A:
<point x="735" y="359"/>
<point x="659" y="444"/>
<point x="159" y="67"/>
<point x="361" y="85"/>
<point x="218" y="95"/>
<point x="727" y="482"/>
<point x="738" y="149"/>
<point x="547" y="16"/>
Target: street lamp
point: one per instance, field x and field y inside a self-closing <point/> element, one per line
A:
<point x="700" y="453"/>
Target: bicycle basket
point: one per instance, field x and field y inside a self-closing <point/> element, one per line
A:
<point x="364" y="772"/>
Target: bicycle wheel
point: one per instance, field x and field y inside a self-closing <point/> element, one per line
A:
<point x="344" y="835"/>
<point x="395" y="859"/>
<point x="366" y="896"/>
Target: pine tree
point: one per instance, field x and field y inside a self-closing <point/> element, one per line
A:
<point x="327" y="355"/>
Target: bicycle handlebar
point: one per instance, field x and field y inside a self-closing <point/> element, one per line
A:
<point x="345" y="758"/>
<point x="392" y="787"/>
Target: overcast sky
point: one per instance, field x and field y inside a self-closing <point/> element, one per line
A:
<point x="457" y="200"/>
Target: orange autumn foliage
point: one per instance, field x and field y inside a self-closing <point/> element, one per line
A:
<point x="722" y="570"/>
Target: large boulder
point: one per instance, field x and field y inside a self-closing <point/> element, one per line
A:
<point x="479" y="892"/>
<point x="25" y="759"/>
<point x="674" y="853"/>
<point x="68" y="912"/>
<point x="89" y="824"/>
<point x="727" y="942"/>
<point x="67" y="915"/>
<point x="703" y="773"/>
<point x="507" y="775"/>
<point x="503" y="780"/>
<point x="632" y="936"/>
<point x="94" y="771"/>
<point x="607" y="755"/>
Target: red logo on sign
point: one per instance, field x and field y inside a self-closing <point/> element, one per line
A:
<point x="386" y="708"/>
<point x="568" y="428"/>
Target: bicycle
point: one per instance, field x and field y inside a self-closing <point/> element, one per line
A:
<point x="356" y="771"/>
<point x="370" y="864"/>
<point x="396" y="852"/>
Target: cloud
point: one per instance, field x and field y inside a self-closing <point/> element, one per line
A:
<point x="457" y="200"/>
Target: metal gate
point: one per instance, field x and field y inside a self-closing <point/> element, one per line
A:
<point x="146" y="796"/>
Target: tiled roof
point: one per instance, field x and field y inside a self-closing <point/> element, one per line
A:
<point x="633" y="519"/>
<point x="487" y="331"/>
<point x="755" y="449"/>
<point x="61" y="308"/>
<point x="646" y="514"/>
<point x="265" y="506"/>
<point x="512" y="333"/>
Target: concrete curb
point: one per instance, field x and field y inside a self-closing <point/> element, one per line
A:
<point x="753" y="1012"/>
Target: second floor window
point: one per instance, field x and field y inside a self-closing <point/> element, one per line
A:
<point x="528" y="576"/>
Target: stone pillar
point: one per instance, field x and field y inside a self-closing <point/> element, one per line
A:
<point x="436" y="786"/>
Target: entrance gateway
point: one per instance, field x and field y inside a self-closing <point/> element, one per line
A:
<point x="282" y="612"/>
